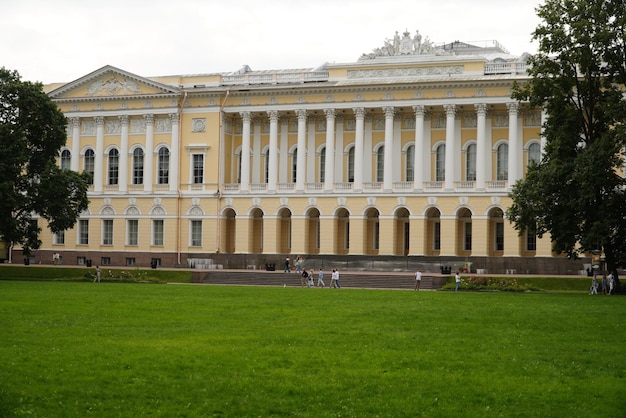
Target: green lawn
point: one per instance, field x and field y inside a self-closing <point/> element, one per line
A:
<point x="76" y="349"/>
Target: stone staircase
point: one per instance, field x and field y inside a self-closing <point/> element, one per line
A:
<point x="361" y="279"/>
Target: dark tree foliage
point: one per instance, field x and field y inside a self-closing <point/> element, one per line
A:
<point x="32" y="132"/>
<point x="577" y="192"/>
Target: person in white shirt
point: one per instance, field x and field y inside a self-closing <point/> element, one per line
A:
<point x="418" y="279"/>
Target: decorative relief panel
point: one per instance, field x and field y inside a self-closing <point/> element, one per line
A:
<point x="500" y="119"/>
<point x="163" y="125"/>
<point x="198" y="125"/>
<point x="350" y="124"/>
<point x="438" y="121"/>
<point x="107" y="210"/>
<point x="321" y="125"/>
<point x="137" y="126"/>
<point x="158" y="211"/>
<point x="532" y="118"/>
<point x="371" y="200"/>
<point x="469" y="120"/>
<point x="112" y="127"/>
<point x="406" y="72"/>
<point x="157" y="200"/>
<point x="432" y="200"/>
<point x="408" y="122"/>
<point x="132" y="211"/>
<point x="113" y="86"/>
<point x="379" y="123"/>
<point x="88" y="127"/>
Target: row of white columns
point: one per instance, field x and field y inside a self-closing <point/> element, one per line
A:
<point x="421" y="154"/>
<point x="100" y="157"/>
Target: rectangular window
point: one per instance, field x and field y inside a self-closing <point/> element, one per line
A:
<point x="132" y="229"/>
<point x="83" y="232"/>
<point x="468" y="237"/>
<point x="198" y="168"/>
<point x="81" y="261"/>
<point x="499" y="236"/>
<point x="347" y="237"/>
<point x="437" y="236"/>
<point x="157" y="232"/>
<point x="59" y="238"/>
<point x="531" y="241"/>
<point x="107" y="232"/>
<point x="105" y="261"/>
<point x="196" y="233"/>
<point x="130" y="261"/>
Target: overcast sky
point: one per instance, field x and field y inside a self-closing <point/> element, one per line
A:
<point x="62" y="40"/>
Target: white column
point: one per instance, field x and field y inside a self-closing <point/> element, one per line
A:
<point x="245" y="152"/>
<point x="358" y="148"/>
<point x="388" y="155"/>
<point x="174" y="152"/>
<point x="312" y="157"/>
<point x="123" y="183"/>
<point x="284" y="164"/>
<point x="273" y="163"/>
<point x="450" y="166"/>
<point x="419" y="155"/>
<point x="74" y="162"/>
<point x="339" y="177"/>
<point x="98" y="170"/>
<point x="330" y="150"/>
<point x="148" y="172"/>
<point x="301" y="155"/>
<point x="482" y="149"/>
<point x="515" y="149"/>
<point x="256" y="152"/>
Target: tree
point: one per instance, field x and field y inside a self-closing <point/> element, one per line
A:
<point x="577" y="192"/>
<point x="32" y="132"/>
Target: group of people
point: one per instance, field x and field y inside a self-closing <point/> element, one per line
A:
<point x="298" y="265"/>
<point x="607" y="285"/>
<point x="307" y="279"/>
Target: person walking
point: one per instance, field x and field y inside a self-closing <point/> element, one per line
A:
<point x="310" y="278"/>
<point x="304" y="278"/>
<point x="335" y="279"/>
<point x="611" y="283"/>
<point x="287" y="265"/>
<point x="603" y="284"/>
<point x="320" y="278"/>
<point x="298" y="264"/>
<point x="457" y="279"/>
<point x="418" y="279"/>
<point x="593" y="290"/>
<point x="97" y="277"/>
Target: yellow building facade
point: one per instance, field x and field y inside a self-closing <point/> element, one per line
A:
<point x="409" y="151"/>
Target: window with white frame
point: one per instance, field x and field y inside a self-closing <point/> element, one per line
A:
<point x="164" y="166"/>
<point x="294" y="166"/>
<point x="470" y="163"/>
<point x="66" y="160"/>
<point x="196" y="233"/>
<point x="351" y="165"/>
<point x="440" y="163"/>
<point x="89" y="163"/>
<point x="437" y="236"/>
<point x="502" y="162"/>
<point x="380" y="164"/>
<point x="132" y="231"/>
<point x="410" y="161"/>
<point x="83" y="232"/>
<point x="107" y="232"/>
<point x="157" y="232"/>
<point x="138" y="166"/>
<point x="534" y="153"/>
<point x="59" y="238"/>
<point x="198" y="168"/>
<point x="114" y="166"/>
<point x="322" y="165"/>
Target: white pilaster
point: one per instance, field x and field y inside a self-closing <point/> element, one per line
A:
<point x="388" y="156"/>
<point x="358" y="148"/>
<point x="148" y="172"/>
<point x="74" y="162"/>
<point x="273" y="163"/>
<point x="329" y="176"/>
<point x="301" y="156"/>
<point x="419" y="154"/>
<point x="99" y="158"/>
<point x="515" y="149"/>
<point x="339" y="149"/>
<point x="174" y="152"/>
<point x="450" y="146"/>
<point x="256" y="152"/>
<point x="482" y="148"/>
<point x="245" y="152"/>
<point x="124" y="153"/>
<point x="284" y="163"/>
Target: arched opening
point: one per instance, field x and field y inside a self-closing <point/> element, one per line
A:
<point x="496" y="232"/>
<point x="464" y="232"/>
<point x="372" y="231"/>
<point x="401" y="236"/>
<point x="433" y="232"/>
<point x="228" y="231"/>
<point x="256" y="231"/>
<point x="312" y="232"/>
<point x="342" y="232"/>
<point x="283" y="232"/>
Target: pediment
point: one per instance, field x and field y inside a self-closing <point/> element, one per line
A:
<point x="111" y="82"/>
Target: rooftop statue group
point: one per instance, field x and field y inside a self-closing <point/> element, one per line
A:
<point x="406" y="45"/>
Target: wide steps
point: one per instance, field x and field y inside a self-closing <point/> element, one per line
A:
<point x="362" y="280"/>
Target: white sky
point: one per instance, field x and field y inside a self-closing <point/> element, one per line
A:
<point x="63" y="40"/>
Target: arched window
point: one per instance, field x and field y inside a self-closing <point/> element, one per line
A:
<point x="138" y="166"/>
<point x="164" y="166"/>
<point x="410" y="160"/>
<point x="534" y="153"/>
<point x="440" y="163"/>
<point x="89" y="163"/>
<point x="114" y="166"/>
<point x="66" y="160"/>
<point x="502" y="162"/>
<point x="470" y="163"/>
<point x="380" y="164"/>
<point x="351" y="165"/>
<point x="322" y="165"/>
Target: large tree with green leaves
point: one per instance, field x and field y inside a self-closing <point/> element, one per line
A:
<point x="577" y="192"/>
<point x="32" y="132"/>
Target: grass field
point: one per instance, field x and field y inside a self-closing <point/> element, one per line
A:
<point x="76" y="349"/>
